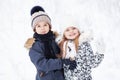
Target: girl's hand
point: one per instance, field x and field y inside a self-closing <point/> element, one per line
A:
<point x="72" y="58"/>
<point x="73" y="65"/>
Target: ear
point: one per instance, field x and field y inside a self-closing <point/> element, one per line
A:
<point x="29" y="43"/>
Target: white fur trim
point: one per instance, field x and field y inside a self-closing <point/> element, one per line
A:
<point x="98" y="46"/>
<point x="59" y="38"/>
<point x="86" y="36"/>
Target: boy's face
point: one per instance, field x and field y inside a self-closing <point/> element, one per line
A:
<point x="71" y="33"/>
<point x="42" y="27"/>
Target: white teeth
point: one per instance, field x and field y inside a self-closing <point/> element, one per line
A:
<point x="72" y="34"/>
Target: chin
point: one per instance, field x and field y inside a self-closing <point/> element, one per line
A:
<point x="71" y="38"/>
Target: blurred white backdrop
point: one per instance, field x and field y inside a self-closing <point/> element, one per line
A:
<point x="100" y="16"/>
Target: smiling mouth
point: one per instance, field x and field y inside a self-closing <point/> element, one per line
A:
<point x="72" y="34"/>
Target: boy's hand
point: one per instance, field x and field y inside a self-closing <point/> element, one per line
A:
<point x="72" y="63"/>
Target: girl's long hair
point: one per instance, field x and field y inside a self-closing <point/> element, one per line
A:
<point x="76" y="41"/>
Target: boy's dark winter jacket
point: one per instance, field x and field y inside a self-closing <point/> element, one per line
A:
<point x="43" y="55"/>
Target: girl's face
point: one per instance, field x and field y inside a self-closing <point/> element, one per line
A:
<point x="71" y="33"/>
<point x="42" y="27"/>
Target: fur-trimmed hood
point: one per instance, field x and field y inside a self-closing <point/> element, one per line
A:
<point x="97" y="45"/>
<point x="85" y="36"/>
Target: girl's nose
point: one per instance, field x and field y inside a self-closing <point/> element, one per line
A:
<point x="71" y="31"/>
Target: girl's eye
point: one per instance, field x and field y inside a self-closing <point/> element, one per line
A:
<point x="67" y="30"/>
<point x="73" y="28"/>
<point x="45" y="24"/>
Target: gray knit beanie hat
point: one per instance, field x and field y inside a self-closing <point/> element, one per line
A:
<point x="38" y="14"/>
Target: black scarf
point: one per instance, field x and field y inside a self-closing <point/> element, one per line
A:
<point x="51" y="47"/>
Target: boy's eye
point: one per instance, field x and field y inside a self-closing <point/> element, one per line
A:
<point x="38" y="26"/>
<point x="45" y="24"/>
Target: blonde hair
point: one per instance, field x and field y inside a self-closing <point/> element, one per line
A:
<point x="76" y="41"/>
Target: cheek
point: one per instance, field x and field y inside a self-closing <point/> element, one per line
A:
<point x="76" y="31"/>
<point x="65" y="34"/>
<point x="48" y="28"/>
<point x="38" y="30"/>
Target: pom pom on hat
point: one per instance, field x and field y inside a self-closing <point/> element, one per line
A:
<point x="38" y="14"/>
<point x="36" y="9"/>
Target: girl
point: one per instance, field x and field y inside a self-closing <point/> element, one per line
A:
<point x="76" y="47"/>
<point x="43" y="48"/>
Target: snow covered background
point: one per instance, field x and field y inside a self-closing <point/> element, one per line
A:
<point x="100" y="16"/>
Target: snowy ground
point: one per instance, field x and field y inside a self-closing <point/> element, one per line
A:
<point x="100" y="16"/>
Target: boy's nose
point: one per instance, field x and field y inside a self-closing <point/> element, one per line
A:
<point x="42" y="27"/>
